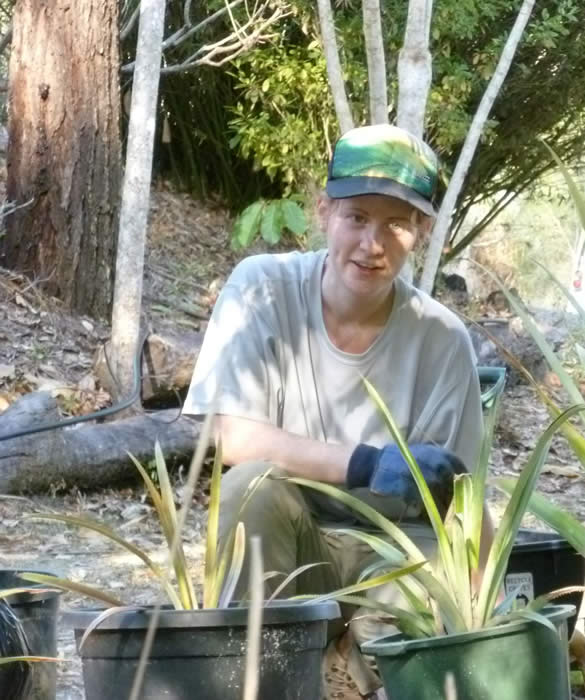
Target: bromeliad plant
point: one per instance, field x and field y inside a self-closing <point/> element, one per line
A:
<point x="444" y="597"/>
<point x="222" y="569"/>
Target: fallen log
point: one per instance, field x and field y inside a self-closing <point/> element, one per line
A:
<point x="87" y="455"/>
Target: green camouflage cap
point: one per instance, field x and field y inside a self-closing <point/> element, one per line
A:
<point x="384" y="159"/>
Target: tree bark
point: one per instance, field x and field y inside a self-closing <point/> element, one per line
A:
<point x="443" y="222"/>
<point x="376" y="62"/>
<point x="415" y="68"/>
<point x="87" y="455"/>
<point x="64" y="149"/>
<point x="136" y="195"/>
<point x="334" y="73"/>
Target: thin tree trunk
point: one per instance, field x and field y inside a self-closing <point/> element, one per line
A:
<point x="443" y="221"/>
<point x="64" y="150"/>
<point x="376" y="62"/>
<point x="336" y="84"/>
<point x="415" y="68"/>
<point x="414" y="80"/>
<point x="136" y="194"/>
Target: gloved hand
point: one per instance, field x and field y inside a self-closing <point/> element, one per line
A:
<point x="386" y="472"/>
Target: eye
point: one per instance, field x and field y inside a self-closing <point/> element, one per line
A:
<point x="357" y="218"/>
<point x="399" y="225"/>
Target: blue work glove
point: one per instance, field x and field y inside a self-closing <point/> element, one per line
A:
<point x="386" y="472"/>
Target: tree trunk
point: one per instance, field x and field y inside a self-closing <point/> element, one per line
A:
<point x="64" y="149"/>
<point x="88" y="455"/>
<point x="136" y="195"/>
<point x="336" y="84"/>
<point x="441" y="227"/>
<point x="376" y="62"/>
<point x="414" y="81"/>
<point x="415" y="68"/>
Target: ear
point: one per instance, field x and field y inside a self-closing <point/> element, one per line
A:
<point x="323" y="211"/>
<point x="425" y="224"/>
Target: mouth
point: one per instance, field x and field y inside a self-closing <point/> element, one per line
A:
<point x="366" y="266"/>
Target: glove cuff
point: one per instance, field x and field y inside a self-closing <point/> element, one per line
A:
<point x="361" y="465"/>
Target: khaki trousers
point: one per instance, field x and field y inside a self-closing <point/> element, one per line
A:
<point x="292" y="536"/>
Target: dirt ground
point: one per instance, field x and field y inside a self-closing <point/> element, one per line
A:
<point x="41" y="347"/>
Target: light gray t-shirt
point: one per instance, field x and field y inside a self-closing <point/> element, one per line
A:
<point x="266" y="356"/>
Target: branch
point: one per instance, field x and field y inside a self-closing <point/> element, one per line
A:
<point x="334" y="72"/>
<point x="188" y="30"/>
<point x="125" y="32"/>
<point x="226" y="49"/>
<point x="187" y="13"/>
<point x="415" y="68"/>
<point x="443" y="221"/>
<point x="373" y="37"/>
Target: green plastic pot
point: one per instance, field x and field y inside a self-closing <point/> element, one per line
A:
<point x="522" y="660"/>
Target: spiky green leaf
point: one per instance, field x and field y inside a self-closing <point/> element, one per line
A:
<point x="186" y="592"/>
<point x="235" y="570"/>
<point x="73" y="587"/>
<point x="107" y="532"/>
<point x="554" y="516"/>
<point x="505" y="537"/>
<point x="425" y="493"/>
<point x="211" y="584"/>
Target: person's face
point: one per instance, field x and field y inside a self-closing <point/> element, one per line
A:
<point x="369" y="238"/>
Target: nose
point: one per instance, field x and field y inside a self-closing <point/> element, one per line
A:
<point x="372" y="240"/>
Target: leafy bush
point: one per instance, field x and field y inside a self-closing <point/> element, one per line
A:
<point x="283" y="119"/>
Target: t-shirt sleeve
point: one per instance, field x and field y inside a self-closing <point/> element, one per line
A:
<point x="452" y="416"/>
<point x="237" y="371"/>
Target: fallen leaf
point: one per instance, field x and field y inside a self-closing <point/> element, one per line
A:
<point x="557" y="470"/>
<point x="7" y="371"/>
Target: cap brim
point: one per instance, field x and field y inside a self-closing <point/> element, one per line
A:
<point x="359" y="185"/>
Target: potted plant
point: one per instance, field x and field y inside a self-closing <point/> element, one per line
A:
<point x="28" y="619"/>
<point x="199" y="644"/>
<point x="452" y="634"/>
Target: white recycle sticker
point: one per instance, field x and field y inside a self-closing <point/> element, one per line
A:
<point x="523" y="584"/>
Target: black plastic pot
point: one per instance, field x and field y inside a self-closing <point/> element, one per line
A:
<point x="38" y="613"/>
<point x="201" y="654"/>
<point x="517" y="661"/>
<point x="542" y="562"/>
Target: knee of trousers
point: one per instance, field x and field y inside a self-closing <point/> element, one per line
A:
<point x="273" y="496"/>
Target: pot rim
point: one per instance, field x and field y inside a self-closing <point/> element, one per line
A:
<point x="397" y="644"/>
<point x="278" y="612"/>
<point x="25" y="598"/>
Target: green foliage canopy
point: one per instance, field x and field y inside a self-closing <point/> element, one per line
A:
<point x="284" y="118"/>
